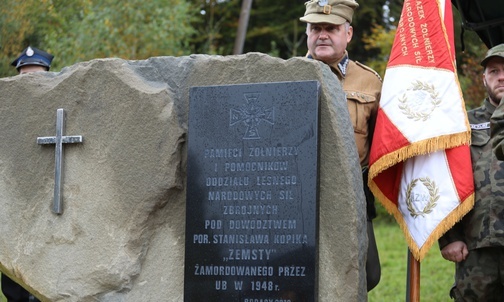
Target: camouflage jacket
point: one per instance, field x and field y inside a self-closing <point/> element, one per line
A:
<point x="497" y="131"/>
<point x="483" y="226"/>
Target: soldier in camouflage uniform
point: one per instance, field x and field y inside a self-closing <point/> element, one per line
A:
<point x="476" y="243"/>
<point x="497" y="125"/>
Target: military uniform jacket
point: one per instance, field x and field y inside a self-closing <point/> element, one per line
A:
<point x="497" y="131"/>
<point x="362" y="86"/>
<point x="483" y="226"/>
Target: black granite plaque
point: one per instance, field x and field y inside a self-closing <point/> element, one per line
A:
<point x="252" y="195"/>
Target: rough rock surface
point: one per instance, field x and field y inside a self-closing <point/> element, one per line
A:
<point x="121" y="234"/>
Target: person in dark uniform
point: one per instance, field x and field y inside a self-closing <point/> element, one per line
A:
<point x="30" y="60"/>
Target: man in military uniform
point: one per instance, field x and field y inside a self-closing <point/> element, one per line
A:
<point x="329" y="32"/>
<point x="30" y="60"/>
<point x="476" y="243"/>
<point x="497" y="120"/>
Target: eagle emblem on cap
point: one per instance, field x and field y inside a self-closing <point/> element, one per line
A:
<point x="323" y="2"/>
<point x="30" y="52"/>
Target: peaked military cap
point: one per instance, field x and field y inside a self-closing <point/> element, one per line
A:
<point x="33" y="56"/>
<point x="496" y="51"/>
<point x="329" y="11"/>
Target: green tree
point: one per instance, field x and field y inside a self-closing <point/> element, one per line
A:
<point x="369" y="14"/>
<point x="16" y="27"/>
<point x="79" y="30"/>
<point x="470" y="50"/>
<point x="273" y="28"/>
<point x="379" y="39"/>
<point x="214" y="23"/>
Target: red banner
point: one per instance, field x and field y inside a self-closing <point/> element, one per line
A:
<point x="420" y="164"/>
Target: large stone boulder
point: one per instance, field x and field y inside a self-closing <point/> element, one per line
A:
<point x="121" y="234"/>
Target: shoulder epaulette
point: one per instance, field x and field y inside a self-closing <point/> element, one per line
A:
<point x="368" y="69"/>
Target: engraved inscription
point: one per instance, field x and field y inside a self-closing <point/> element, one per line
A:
<point x="252" y="235"/>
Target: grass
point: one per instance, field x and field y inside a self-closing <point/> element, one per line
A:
<point x="2" y="297"/>
<point x="436" y="273"/>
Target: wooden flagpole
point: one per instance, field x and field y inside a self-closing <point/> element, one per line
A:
<point x="413" y="280"/>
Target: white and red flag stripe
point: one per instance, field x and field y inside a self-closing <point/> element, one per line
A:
<point x="420" y="164"/>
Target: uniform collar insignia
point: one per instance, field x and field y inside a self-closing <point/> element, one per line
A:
<point x="343" y="64"/>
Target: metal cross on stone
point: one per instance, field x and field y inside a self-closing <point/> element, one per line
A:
<point x="59" y="140"/>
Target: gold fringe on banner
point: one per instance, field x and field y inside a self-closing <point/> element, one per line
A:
<point x="419" y="148"/>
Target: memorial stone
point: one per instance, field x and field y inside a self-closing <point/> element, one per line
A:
<point x="121" y="235"/>
<point x="252" y="176"/>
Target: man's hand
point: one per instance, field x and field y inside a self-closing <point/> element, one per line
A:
<point x="455" y="251"/>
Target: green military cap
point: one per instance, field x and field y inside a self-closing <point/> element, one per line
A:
<point x="496" y="51"/>
<point x="329" y="11"/>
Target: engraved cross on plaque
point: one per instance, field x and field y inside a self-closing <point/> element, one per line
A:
<point x="59" y="140"/>
<point x="252" y="115"/>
